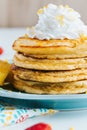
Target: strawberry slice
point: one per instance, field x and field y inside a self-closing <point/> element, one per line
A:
<point x="1" y="50"/>
<point x="40" y="126"/>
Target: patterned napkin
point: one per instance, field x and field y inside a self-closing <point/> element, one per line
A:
<point x="12" y="115"/>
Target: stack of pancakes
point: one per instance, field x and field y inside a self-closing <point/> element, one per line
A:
<point x="50" y="66"/>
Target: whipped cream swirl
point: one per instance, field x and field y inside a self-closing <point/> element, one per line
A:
<point x="58" y="22"/>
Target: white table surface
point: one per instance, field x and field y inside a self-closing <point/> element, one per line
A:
<point x="58" y="121"/>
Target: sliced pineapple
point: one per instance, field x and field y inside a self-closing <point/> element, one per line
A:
<point x="4" y="71"/>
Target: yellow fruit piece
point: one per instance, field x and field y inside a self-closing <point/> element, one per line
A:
<point x="4" y="70"/>
<point x="40" y="11"/>
<point x="72" y="128"/>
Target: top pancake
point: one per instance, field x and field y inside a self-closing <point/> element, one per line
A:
<point x="73" y="48"/>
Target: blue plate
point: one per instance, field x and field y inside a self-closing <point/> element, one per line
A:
<point x="61" y="102"/>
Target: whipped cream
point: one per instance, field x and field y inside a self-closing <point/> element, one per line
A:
<point x="58" y="22"/>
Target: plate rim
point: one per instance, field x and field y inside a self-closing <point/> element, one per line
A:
<point x="21" y="95"/>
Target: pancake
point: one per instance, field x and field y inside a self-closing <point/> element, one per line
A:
<point x="60" y="47"/>
<point x="52" y="57"/>
<point x="50" y="88"/>
<point x="48" y="64"/>
<point x="50" y="76"/>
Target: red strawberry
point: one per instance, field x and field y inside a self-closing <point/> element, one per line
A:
<point x="40" y="126"/>
<point x="1" y="50"/>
